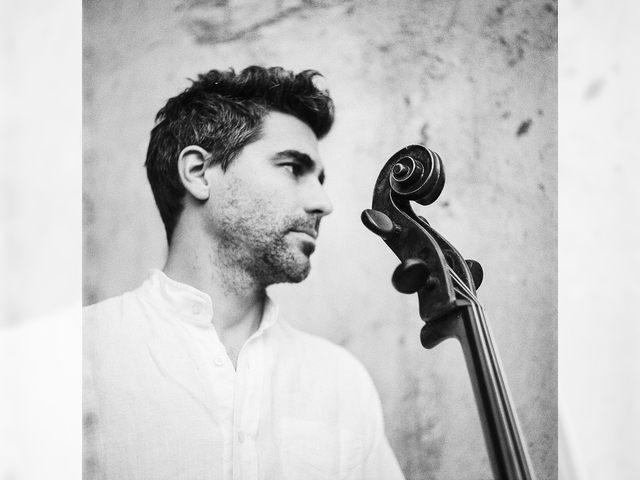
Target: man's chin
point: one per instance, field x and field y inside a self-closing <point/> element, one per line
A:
<point x="293" y="272"/>
<point x="301" y="242"/>
<point x="297" y="275"/>
<point x="290" y="264"/>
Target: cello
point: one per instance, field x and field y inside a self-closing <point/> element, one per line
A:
<point x="446" y="285"/>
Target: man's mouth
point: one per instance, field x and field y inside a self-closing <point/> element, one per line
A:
<point x="308" y="226"/>
<point x="313" y="233"/>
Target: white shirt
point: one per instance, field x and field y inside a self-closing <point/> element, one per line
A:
<point x="163" y="401"/>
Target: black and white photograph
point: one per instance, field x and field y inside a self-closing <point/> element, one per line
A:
<point x="223" y="188"/>
<point x="319" y="239"/>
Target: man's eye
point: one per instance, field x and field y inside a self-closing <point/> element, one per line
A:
<point x="293" y="168"/>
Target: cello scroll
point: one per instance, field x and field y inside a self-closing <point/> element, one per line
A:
<point x="446" y="285"/>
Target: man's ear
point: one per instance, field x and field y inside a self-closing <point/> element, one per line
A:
<point x="192" y="165"/>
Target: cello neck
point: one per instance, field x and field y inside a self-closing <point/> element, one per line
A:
<point x="505" y="443"/>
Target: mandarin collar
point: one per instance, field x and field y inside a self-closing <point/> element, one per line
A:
<point x="190" y="304"/>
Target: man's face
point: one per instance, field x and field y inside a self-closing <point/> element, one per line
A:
<point x="265" y="210"/>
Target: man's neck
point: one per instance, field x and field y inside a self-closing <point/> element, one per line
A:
<point x="238" y="302"/>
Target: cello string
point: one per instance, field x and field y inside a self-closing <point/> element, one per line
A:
<point x="500" y="404"/>
<point x="484" y="326"/>
<point x="524" y="460"/>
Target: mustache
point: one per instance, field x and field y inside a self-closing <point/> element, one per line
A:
<point x="310" y="225"/>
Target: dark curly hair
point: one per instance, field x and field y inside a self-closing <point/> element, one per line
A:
<point x="222" y="112"/>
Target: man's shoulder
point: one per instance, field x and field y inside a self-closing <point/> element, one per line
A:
<point x="111" y="307"/>
<point x="91" y="310"/>
<point x="114" y="326"/>
<point x="112" y="317"/>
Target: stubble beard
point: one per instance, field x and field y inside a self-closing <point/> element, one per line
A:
<point x="282" y="264"/>
<point x="254" y="245"/>
<point x="264" y="257"/>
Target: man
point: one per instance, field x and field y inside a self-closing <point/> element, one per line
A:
<point x="192" y="375"/>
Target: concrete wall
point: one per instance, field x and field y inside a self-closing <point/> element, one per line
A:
<point x="473" y="80"/>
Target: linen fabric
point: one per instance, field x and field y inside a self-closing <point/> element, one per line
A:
<point x="162" y="399"/>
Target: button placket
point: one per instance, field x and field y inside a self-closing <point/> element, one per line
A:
<point x="249" y="382"/>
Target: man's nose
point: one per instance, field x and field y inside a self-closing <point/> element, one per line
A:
<point x="318" y="201"/>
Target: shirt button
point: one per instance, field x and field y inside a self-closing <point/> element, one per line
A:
<point x="219" y="361"/>
<point x="196" y="309"/>
<point x="240" y="437"/>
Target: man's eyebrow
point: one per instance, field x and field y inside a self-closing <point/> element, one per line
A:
<point x="302" y="158"/>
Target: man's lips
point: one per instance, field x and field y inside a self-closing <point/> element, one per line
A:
<point x="309" y="231"/>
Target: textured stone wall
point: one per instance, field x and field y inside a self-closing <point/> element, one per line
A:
<point x="473" y="80"/>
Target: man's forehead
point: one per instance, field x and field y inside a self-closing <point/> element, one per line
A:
<point x="275" y="122"/>
<point x="287" y="136"/>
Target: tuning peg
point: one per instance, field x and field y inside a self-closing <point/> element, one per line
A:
<point x="410" y="276"/>
<point x="476" y="272"/>
<point x="380" y="224"/>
